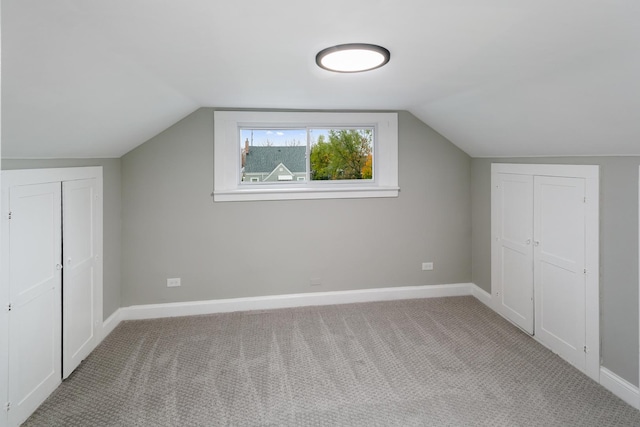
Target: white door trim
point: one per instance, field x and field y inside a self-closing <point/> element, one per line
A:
<point x="591" y="175"/>
<point x="25" y="177"/>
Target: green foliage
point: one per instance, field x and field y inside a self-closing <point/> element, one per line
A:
<point x="347" y="154"/>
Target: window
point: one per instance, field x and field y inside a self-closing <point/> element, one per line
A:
<point x="302" y="155"/>
<point x="306" y="154"/>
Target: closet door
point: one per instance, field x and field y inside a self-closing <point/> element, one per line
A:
<point x="559" y="266"/>
<point x="512" y="258"/>
<point x="79" y="330"/>
<point x="34" y="288"/>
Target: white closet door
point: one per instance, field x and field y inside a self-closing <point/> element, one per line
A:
<point x="79" y="330"/>
<point x="559" y="257"/>
<point x="513" y="254"/>
<point x="34" y="287"/>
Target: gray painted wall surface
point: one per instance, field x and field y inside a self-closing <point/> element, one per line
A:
<point x="171" y="227"/>
<point x="618" y="250"/>
<point x="111" y="219"/>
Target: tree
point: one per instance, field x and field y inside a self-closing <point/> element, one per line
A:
<point x="320" y="158"/>
<point x="345" y="155"/>
<point x="367" y="169"/>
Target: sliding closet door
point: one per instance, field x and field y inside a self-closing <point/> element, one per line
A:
<point x="39" y="271"/>
<point x="559" y="259"/>
<point x="562" y="260"/>
<point x="512" y="258"/>
<point x="79" y="330"/>
<point x="34" y="287"/>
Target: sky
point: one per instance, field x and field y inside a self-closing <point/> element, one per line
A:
<point x="279" y="137"/>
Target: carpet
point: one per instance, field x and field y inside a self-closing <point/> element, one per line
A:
<point x="424" y="362"/>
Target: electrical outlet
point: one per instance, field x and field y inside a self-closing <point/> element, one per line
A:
<point x="173" y="283"/>
<point x="427" y="266"/>
<point x="315" y="281"/>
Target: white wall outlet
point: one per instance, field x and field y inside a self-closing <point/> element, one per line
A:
<point x="427" y="266"/>
<point x="173" y="283"/>
<point x="315" y="281"/>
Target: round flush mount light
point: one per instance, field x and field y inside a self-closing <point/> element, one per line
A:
<point x="352" y="57"/>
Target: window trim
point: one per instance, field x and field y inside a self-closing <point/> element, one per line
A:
<point x="227" y="185"/>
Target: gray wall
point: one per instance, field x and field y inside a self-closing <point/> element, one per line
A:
<point x="171" y="227"/>
<point x="618" y="250"/>
<point x="112" y="218"/>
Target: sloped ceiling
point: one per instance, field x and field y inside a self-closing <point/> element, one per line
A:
<point x="497" y="77"/>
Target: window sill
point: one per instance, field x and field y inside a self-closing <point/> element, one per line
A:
<point x="307" y="193"/>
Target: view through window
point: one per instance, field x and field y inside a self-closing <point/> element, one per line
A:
<point x="286" y="155"/>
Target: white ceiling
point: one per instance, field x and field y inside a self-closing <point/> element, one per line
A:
<point x="497" y="77"/>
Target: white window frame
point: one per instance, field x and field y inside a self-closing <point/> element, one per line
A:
<point x="227" y="162"/>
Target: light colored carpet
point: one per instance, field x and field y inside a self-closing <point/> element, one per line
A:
<point x="432" y="362"/>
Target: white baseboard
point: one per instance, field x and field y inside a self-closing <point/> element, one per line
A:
<point x="482" y="295"/>
<point x="152" y="311"/>
<point x="191" y="308"/>
<point x="110" y="324"/>
<point x="620" y="387"/>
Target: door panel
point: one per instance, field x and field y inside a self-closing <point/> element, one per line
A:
<point x="79" y="279"/>
<point x="513" y="213"/>
<point x="557" y="305"/>
<point x="514" y="264"/>
<point x="559" y="258"/>
<point x="37" y="359"/>
<point x="34" y="292"/>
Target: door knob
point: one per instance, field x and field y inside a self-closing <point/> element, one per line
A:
<point x="58" y="267"/>
<point x="528" y="241"/>
<point x="536" y="243"/>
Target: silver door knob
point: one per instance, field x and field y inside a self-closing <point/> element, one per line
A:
<point x="58" y="267"/>
<point x="536" y="243"/>
<point x="528" y="241"/>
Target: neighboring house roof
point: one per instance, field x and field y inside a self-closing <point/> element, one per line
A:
<point x="266" y="159"/>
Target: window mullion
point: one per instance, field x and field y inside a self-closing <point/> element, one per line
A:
<point x="308" y="176"/>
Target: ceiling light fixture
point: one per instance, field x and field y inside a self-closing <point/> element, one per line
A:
<point x="352" y="57"/>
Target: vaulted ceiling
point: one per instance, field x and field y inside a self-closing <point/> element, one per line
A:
<point x="496" y="77"/>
